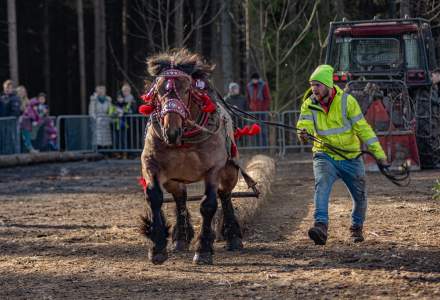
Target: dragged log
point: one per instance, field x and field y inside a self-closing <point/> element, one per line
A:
<point x="45" y="157"/>
<point x="262" y="169"/>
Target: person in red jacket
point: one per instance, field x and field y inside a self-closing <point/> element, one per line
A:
<point x="258" y="94"/>
<point x="258" y="99"/>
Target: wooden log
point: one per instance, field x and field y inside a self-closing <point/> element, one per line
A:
<point x="262" y="169"/>
<point x="45" y="157"/>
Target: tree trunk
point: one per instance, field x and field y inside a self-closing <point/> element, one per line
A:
<point x="226" y="44"/>
<point x="103" y="44"/>
<point x="248" y="39"/>
<point x="12" y="42"/>
<point x="340" y="11"/>
<point x="277" y="72"/>
<point x="405" y="8"/>
<point x="124" y="37"/>
<point x="46" y="49"/>
<point x="82" y="60"/>
<point x="100" y="42"/>
<point x="391" y="9"/>
<point x="198" y="29"/>
<point x="178" y="24"/>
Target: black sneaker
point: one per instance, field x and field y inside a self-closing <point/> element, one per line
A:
<point x="356" y="233"/>
<point x="318" y="233"/>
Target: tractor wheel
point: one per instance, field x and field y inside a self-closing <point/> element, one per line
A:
<point x="428" y="129"/>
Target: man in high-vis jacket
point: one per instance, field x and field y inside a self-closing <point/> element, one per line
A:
<point x="333" y="116"/>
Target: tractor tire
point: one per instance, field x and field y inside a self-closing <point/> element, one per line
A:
<point x="428" y="129"/>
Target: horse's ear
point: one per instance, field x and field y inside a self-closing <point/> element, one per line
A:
<point x="156" y="64"/>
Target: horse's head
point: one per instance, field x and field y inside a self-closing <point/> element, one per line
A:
<point x="173" y="92"/>
<point x="175" y="73"/>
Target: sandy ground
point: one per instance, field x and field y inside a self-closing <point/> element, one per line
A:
<point x="70" y="231"/>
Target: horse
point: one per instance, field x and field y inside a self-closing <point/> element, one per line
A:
<point x="189" y="138"/>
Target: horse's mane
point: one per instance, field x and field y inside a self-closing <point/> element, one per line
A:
<point x="184" y="60"/>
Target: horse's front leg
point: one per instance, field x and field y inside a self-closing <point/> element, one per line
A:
<point x="208" y="207"/>
<point x="183" y="231"/>
<point x="154" y="223"/>
<point x="231" y="230"/>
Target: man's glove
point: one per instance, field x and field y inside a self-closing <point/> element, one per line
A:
<point x="303" y="136"/>
<point x="383" y="163"/>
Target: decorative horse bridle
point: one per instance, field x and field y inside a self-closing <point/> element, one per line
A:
<point x="197" y="94"/>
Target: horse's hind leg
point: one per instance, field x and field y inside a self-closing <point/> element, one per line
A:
<point x="230" y="227"/>
<point x="183" y="231"/>
<point x="154" y="224"/>
<point x="208" y="207"/>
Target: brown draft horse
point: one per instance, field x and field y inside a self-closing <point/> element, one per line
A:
<point x="189" y="138"/>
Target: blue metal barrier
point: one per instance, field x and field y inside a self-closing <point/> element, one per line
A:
<point x="9" y="135"/>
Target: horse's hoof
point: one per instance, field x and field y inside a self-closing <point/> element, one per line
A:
<point x="235" y="244"/>
<point x="157" y="258"/>
<point x="204" y="258"/>
<point x="181" y="245"/>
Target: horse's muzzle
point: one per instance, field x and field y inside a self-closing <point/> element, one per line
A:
<point x="173" y="136"/>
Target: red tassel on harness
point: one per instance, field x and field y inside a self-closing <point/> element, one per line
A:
<point x="146" y="109"/>
<point x="247" y="130"/>
<point x="255" y="129"/>
<point x="208" y="104"/>
<point x="146" y="98"/>
<point x="143" y="183"/>
<point x="209" y="107"/>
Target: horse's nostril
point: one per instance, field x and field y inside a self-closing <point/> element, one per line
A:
<point x="172" y="136"/>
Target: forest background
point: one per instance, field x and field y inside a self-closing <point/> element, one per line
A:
<point x="66" y="47"/>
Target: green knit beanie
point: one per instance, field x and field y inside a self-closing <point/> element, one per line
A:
<point x="323" y="74"/>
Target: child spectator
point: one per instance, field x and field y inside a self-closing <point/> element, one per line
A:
<point x="30" y="124"/>
<point x="24" y="99"/>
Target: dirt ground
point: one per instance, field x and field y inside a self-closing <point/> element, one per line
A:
<point x="70" y="231"/>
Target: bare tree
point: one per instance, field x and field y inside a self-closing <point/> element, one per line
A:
<point x="82" y="56"/>
<point x="100" y="41"/>
<point x="405" y="8"/>
<point x="178" y="24"/>
<point x="282" y="26"/>
<point x="12" y="36"/>
<point x="46" y="48"/>
<point x="247" y="36"/>
<point x="339" y="8"/>
<point x="226" y="32"/>
<point x="124" y="36"/>
<point x="198" y="30"/>
<point x="159" y="18"/>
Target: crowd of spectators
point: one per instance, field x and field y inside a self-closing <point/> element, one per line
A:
<point x="110" y="113"/>
<point x="38" y="131"/>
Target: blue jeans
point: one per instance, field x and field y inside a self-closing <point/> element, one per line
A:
<point x="327" y="171"/>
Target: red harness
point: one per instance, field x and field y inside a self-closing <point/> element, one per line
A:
<point x="175" y="104"/>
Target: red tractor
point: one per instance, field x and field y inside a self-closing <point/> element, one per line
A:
<point x="386" y="65"/>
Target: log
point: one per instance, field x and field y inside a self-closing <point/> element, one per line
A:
<point x="45" y="157"/>
<point x="262" y="169"/>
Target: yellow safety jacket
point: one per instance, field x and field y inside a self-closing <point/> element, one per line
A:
<point x="342" y="126"/>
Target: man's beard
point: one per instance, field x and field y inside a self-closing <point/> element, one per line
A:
<point x="327" y="94"/>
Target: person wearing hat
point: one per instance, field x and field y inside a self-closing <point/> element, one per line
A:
<point x="234" y="98"/>
<point x="335" y="117"/>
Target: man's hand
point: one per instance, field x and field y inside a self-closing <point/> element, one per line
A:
<point x="383" y="162"/>
<point x="303" y="136"/>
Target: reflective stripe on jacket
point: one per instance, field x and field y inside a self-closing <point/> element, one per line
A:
<point x="343" y="126"/>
